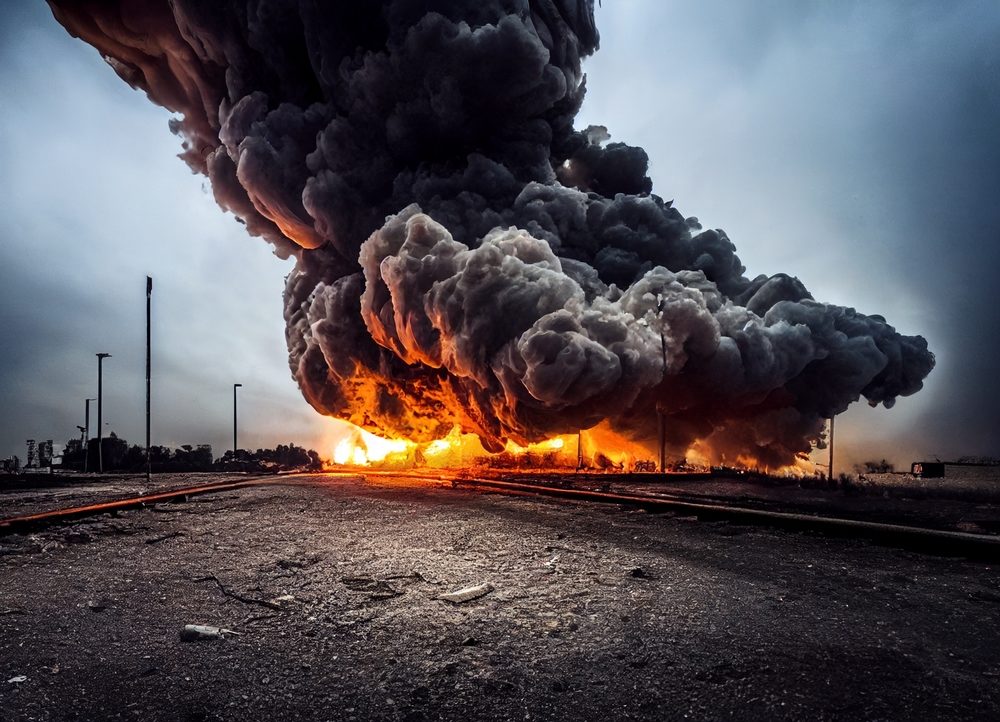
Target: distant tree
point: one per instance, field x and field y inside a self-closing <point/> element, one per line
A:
<point x="74" y="454"/>
<point x="875" y="467"/>
<point x="284" y="457"/>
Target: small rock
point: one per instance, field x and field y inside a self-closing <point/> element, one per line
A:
<point x="638" y="573"/>
<point x="470" y="642"/>
<point x="198" y="632"/>
<point x="467" y="594"/>
<point x="18" y="679"/>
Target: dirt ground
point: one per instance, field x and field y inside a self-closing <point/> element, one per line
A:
<point x="332" y="585"/>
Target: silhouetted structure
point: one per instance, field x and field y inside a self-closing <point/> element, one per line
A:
<point x="121" y="456"/>
<point x="45" y="454"/>
<point x="956" y="470"/>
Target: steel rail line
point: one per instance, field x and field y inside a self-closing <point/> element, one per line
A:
<point x="28" y="522"/>
<point x="923" y="539"/>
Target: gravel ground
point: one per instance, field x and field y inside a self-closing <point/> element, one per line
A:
<point x="31" y="495"/>
<point x="957" y="513"/>
<point x="596" y="612"/>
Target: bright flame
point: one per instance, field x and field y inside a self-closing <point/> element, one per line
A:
<point x="547" y="445"/>
<point x="362" y="448"/>
<point x="600" y="448"/>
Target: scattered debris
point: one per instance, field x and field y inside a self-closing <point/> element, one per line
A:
<point x="378" y="589"/>
<point x="18" y="679"/>
<point x="233" y="595"/>
<point x="78" y="537"/>
<point x="164" y="537"/>
<point x="467" y="594"/>
<point x="197" y="632"/>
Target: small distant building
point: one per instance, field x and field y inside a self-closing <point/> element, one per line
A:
<point x="927" y="469"/>
<point x="966" y="471"/>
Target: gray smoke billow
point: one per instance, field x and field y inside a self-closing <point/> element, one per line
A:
<point x="463" y="254"/>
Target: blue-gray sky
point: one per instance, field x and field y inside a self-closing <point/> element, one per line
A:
<point x="853" y="144"/>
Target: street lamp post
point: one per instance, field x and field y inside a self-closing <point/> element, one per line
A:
<point x="100" y="403"/>
<point x="235" y="445"/>
<point x="149" y="293"/>
<point x="86" y="434"/>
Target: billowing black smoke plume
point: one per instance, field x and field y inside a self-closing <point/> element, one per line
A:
<point x="464" y="256"/>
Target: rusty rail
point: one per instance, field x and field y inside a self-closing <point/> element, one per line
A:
<point x="923" y="539"/>
<point x="29" y="522"/>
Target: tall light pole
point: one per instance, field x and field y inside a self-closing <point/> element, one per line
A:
<point x="86" y="433"/>
<point x="235" y="446"/>
<point x="149" y="294"/>
<point x="100" y="403"/>
<point x="661" y="425"/>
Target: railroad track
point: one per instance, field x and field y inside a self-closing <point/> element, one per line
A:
<point x="30" y="522"/>
<point x="916" y="538"/>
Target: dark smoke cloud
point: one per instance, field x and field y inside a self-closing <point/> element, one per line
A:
<point x="464" y="256"/>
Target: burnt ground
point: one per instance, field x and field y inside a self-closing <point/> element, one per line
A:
<point x="597" y="612"/>
<point x="32" y="494"/>
<point x="951" y="507"/>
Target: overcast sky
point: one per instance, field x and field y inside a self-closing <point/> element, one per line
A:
<point x="855" y="145"/>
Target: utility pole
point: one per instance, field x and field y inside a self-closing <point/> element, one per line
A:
<point x="579" y="449"/>
<point x="86" y="434"/>
<point x="149" y="294"/>
<point x="830" y="467"/>
<point x="661" y="425"/>
<point x="235" y="445"/>
<point x="100" y="404"/>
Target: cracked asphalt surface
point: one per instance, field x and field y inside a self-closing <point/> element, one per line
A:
<point x="332" y="587"/>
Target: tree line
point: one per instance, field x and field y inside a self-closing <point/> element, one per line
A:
<point x="119" y="455"/>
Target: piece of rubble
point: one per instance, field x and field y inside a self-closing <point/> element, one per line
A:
<point x="164" y="537"/>
<point x="378" y="589"/>
<point x="18" y="679"/>
<point x="467" y="594"/>
<point x="197" y="632"/>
